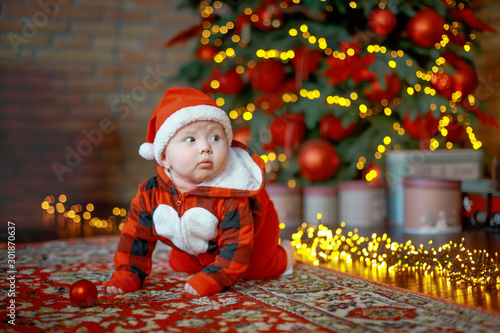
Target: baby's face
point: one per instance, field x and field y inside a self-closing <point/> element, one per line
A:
<point x="196" y="153"/>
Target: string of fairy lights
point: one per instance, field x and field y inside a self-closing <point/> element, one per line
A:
<point x="79" y="214"/>
<point x="394" y="58"/>
<point x="320" y="245"/>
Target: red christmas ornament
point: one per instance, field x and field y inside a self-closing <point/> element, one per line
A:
<point x="382" y="21"/>
<point x="318" y="160"/>
<point x="268" y="16"/>
<point x="207" y="52"/>
<point x="443" y="83"/>
<point x="375" y="93"/>
<point x="306" y="61"/>
<point x="332" y="128"/>
<point x="242" y="134"/>
<point x="288" y="130"/>
<point x="422" y="128"/>
<point x="83" y="293"/>
<point x="465" y="79"/>
<point x="267" y="75"/>
<point x="426" y="27"/>
<point x="456" y="132"/>
<point x="230" y="82"/>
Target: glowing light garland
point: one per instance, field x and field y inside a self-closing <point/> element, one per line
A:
<point x="79" y="214"/>
<point x="321" y="245"/>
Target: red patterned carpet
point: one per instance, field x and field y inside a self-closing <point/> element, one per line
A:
<point x="313" y="299"/>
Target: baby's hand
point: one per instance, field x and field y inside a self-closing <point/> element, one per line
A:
<point x="114" y="290"/>
<point x="190" y="290"/>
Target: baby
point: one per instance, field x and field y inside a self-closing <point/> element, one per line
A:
<point x="207" y="202"/>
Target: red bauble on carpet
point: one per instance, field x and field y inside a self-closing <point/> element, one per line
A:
<point x="288" y="130"/>
<point x="332" y="128"/>
<point x="426" y="27"/>
<point x="83" y="293"/>
<point x="267" y="75"/>
<point x="318" y="160"/>
<point x="382" y="21"/>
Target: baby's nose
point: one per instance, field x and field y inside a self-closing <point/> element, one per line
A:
<point x="205" y="146"/>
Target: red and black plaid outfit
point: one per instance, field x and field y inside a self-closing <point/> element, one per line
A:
<point x="241" y="241"/>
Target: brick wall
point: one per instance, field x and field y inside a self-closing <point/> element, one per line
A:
<point x="79" y="80"/>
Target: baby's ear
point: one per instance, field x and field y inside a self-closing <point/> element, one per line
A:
<point x="164" y="161"/>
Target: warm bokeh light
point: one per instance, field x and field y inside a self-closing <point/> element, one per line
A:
<point x="452" y="262"/>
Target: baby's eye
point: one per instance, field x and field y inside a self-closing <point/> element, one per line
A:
<point x="190" y="139"/>
<point x="215" y="138"/>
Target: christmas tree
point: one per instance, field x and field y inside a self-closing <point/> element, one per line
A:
<point x="322" y="89"/>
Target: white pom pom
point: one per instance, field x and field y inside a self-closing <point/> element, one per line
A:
<point x="146" y="151"/>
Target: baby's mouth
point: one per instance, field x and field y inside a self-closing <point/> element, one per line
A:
<point x="206" y="163"/>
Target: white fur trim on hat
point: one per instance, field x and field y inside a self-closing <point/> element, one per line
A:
<point x="184" y="117"/>
<point x="146" y="151"/>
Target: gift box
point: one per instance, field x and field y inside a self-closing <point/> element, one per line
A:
<point x="432" y="206"/>
<point x="453" y="164"/>
<point x="362" y="204"/>
<point x="320" y="205"/>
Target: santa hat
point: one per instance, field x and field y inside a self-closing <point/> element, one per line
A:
<point x="178" y="108"/>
